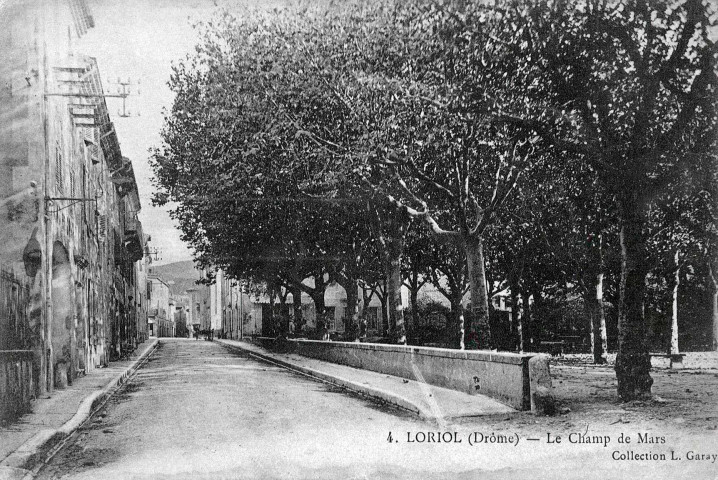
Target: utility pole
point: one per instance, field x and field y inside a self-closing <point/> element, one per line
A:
<point x="153" y="254"/>
<point x="124" y="90"/>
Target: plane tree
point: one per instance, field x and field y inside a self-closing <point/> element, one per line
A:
<point x="252" y="190"/>
<point x="580" y="236"/>
<point x="678" y="237"/>
<point x="416" y="265"/>
<point x="448" y="274"/>
<point x="705" y="184"/>
<point x="442" y="150"/>
<point x="633" y="84"/>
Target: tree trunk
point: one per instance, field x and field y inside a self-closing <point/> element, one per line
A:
<point x="352" y="303"/>
<point x="319" y="307"/>
<point x="384" y="312"/>
<point x="479" y="330"/>
<point x="393" y="223"/>
<point x="712" y="274"/>
<point x="297" y="307"/>
<point x="414" y="305"/>
<point x="676" y="280"/>
<point x="273" y="313"/>
<point x="458" y="322"/>
<point x="633" y="363"/>
<point x="283" y="312"/>
<point x="591" y="315"/>
<point x="597" y="316"/>
<point x="394" y="282"/>
<point x="320" y="321"/>
<point x="516" y="331"/>
<point x="600" y="351"/>
<point x="366" y="295"/>
<point x="525" y="323"/>
<point x="537" y="318"/>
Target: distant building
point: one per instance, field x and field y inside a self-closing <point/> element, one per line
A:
<point x="256" y="308"/>
<point x="180" y="321"/>
<point x="160" y="315"/>
<point x="199" y="307"/>
<point x="239" y="313"/>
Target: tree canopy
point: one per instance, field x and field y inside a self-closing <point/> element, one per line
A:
<point x="532" y="144"/>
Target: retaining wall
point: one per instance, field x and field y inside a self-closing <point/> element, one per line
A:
<point x="500" y="375"/>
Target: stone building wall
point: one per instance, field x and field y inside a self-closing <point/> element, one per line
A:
<point x="62" y="237"/>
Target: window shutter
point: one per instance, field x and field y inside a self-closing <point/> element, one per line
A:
<point x="102" y="227"/>
<point x="58" y="170"/>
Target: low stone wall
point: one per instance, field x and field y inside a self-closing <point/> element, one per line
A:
<point x="502" y="376"/>
<point x="16" y="389"/>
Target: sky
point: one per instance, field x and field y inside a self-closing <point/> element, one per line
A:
<point x="139" y="40"/>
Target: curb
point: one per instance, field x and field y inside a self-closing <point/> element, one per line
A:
<point x="365" y="390"/>
<point x="27" y="460"/>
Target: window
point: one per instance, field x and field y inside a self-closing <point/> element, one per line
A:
<point x="72" y="185"/>
<point x="102" y="226"/>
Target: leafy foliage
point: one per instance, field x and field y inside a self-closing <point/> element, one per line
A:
<point x="541" y="146"/>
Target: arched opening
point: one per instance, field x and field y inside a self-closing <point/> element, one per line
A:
<point x="62" y="316"/>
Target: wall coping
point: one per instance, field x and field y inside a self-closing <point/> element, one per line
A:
<point x="475" y="355"/>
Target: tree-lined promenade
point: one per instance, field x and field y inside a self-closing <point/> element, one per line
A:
<point x="551" y="150"/>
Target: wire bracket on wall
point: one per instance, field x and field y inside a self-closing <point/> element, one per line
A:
<point x="50" y="202"/>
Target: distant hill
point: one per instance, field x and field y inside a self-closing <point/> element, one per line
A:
<point x="180" y="275"/>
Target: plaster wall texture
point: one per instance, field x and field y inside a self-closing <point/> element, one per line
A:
<point x="53" y="181"/>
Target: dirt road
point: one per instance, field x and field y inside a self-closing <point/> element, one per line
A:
<point x="196" y="410"/>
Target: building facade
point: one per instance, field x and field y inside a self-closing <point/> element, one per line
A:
<point x="199" y="308"/>
<point x="71" y="241"/>
<point x="230" y="302"/>
<point x="161" y="307"/>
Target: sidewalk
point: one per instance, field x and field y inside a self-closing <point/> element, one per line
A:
<point x="427" y="401"/>
<point x="54" y="417"/>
